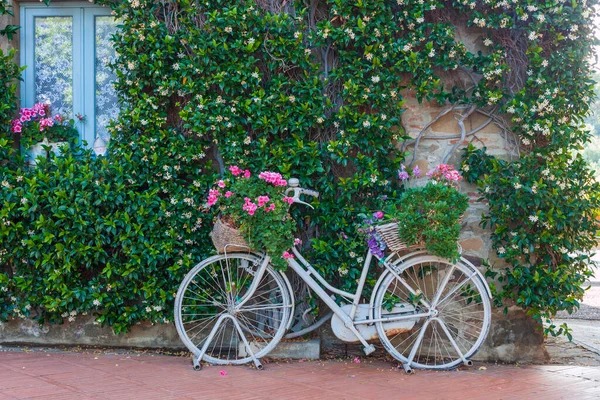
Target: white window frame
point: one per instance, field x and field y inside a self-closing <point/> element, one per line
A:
<point x="84" y="50"/>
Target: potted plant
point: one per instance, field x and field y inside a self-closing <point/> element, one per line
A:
<point x="39" y="131"/>
<point x="426" y="214"/>
<point x="253" y="214"/>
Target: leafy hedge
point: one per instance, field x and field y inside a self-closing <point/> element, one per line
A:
<point x="308" y="90"/>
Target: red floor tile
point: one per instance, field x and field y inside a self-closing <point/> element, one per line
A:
<point x="69" y="376"/>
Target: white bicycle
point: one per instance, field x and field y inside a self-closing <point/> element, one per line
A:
<point x="426" y="311"/>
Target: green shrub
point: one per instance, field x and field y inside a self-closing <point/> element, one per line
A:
<point x="543" y="221"/>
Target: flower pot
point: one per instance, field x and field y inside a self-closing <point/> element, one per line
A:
<point x="57" y="147"/>
<point x="35" y="151"/>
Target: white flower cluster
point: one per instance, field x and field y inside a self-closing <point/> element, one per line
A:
<point x="480" y="22"/>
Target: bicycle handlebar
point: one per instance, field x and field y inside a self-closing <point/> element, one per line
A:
<point x="309" y="192"/>
<point x="299" y="191"/>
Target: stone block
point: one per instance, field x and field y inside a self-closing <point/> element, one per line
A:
<point x="310" y="350"/>
<point x="513" y="337"/>
<point x="473" y="244"/>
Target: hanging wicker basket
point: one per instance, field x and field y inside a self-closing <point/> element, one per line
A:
<point x="227" y="238"/>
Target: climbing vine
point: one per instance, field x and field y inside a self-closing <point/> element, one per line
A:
<point x="314" y="89"/>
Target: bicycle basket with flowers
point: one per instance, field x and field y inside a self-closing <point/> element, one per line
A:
<point x="425" y="215"/>
<point x="253" y="214"/>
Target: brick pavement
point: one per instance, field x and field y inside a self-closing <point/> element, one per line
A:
<point x="68" y="376"/>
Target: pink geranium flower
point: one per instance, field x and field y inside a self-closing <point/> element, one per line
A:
<point x="235" y="170"/>
<point x="273" y="177"/>
<point x="287" y="254"/>
<point x="213" y="196"/>
<point x="249" y="206"/>
<point x="221" y="184"/>
<point x="228" y="194"/>
<point x="262" y="200"/>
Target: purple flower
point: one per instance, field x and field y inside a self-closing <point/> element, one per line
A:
<point x="416" y="172"/>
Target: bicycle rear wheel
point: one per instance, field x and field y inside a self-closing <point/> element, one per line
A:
<point x="208" y="316"/>
<point x="451" y="307"/>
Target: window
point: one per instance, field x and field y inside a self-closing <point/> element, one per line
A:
<point x="67" y="49"/>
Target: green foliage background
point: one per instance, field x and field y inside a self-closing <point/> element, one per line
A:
<point x="306" y="89"/>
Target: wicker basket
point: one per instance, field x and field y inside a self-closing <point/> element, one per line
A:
<point x="389" y="234"/>
<point x="226" y="238"/>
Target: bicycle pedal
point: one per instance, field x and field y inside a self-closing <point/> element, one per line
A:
<point x="369" y="349"/>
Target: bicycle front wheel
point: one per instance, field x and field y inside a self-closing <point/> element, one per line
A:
<point x="208" y="315"/>
<point x="451" y="310"/>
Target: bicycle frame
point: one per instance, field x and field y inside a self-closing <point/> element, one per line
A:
<point x="306" y="273"/>
<point x="317" y="283"/>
